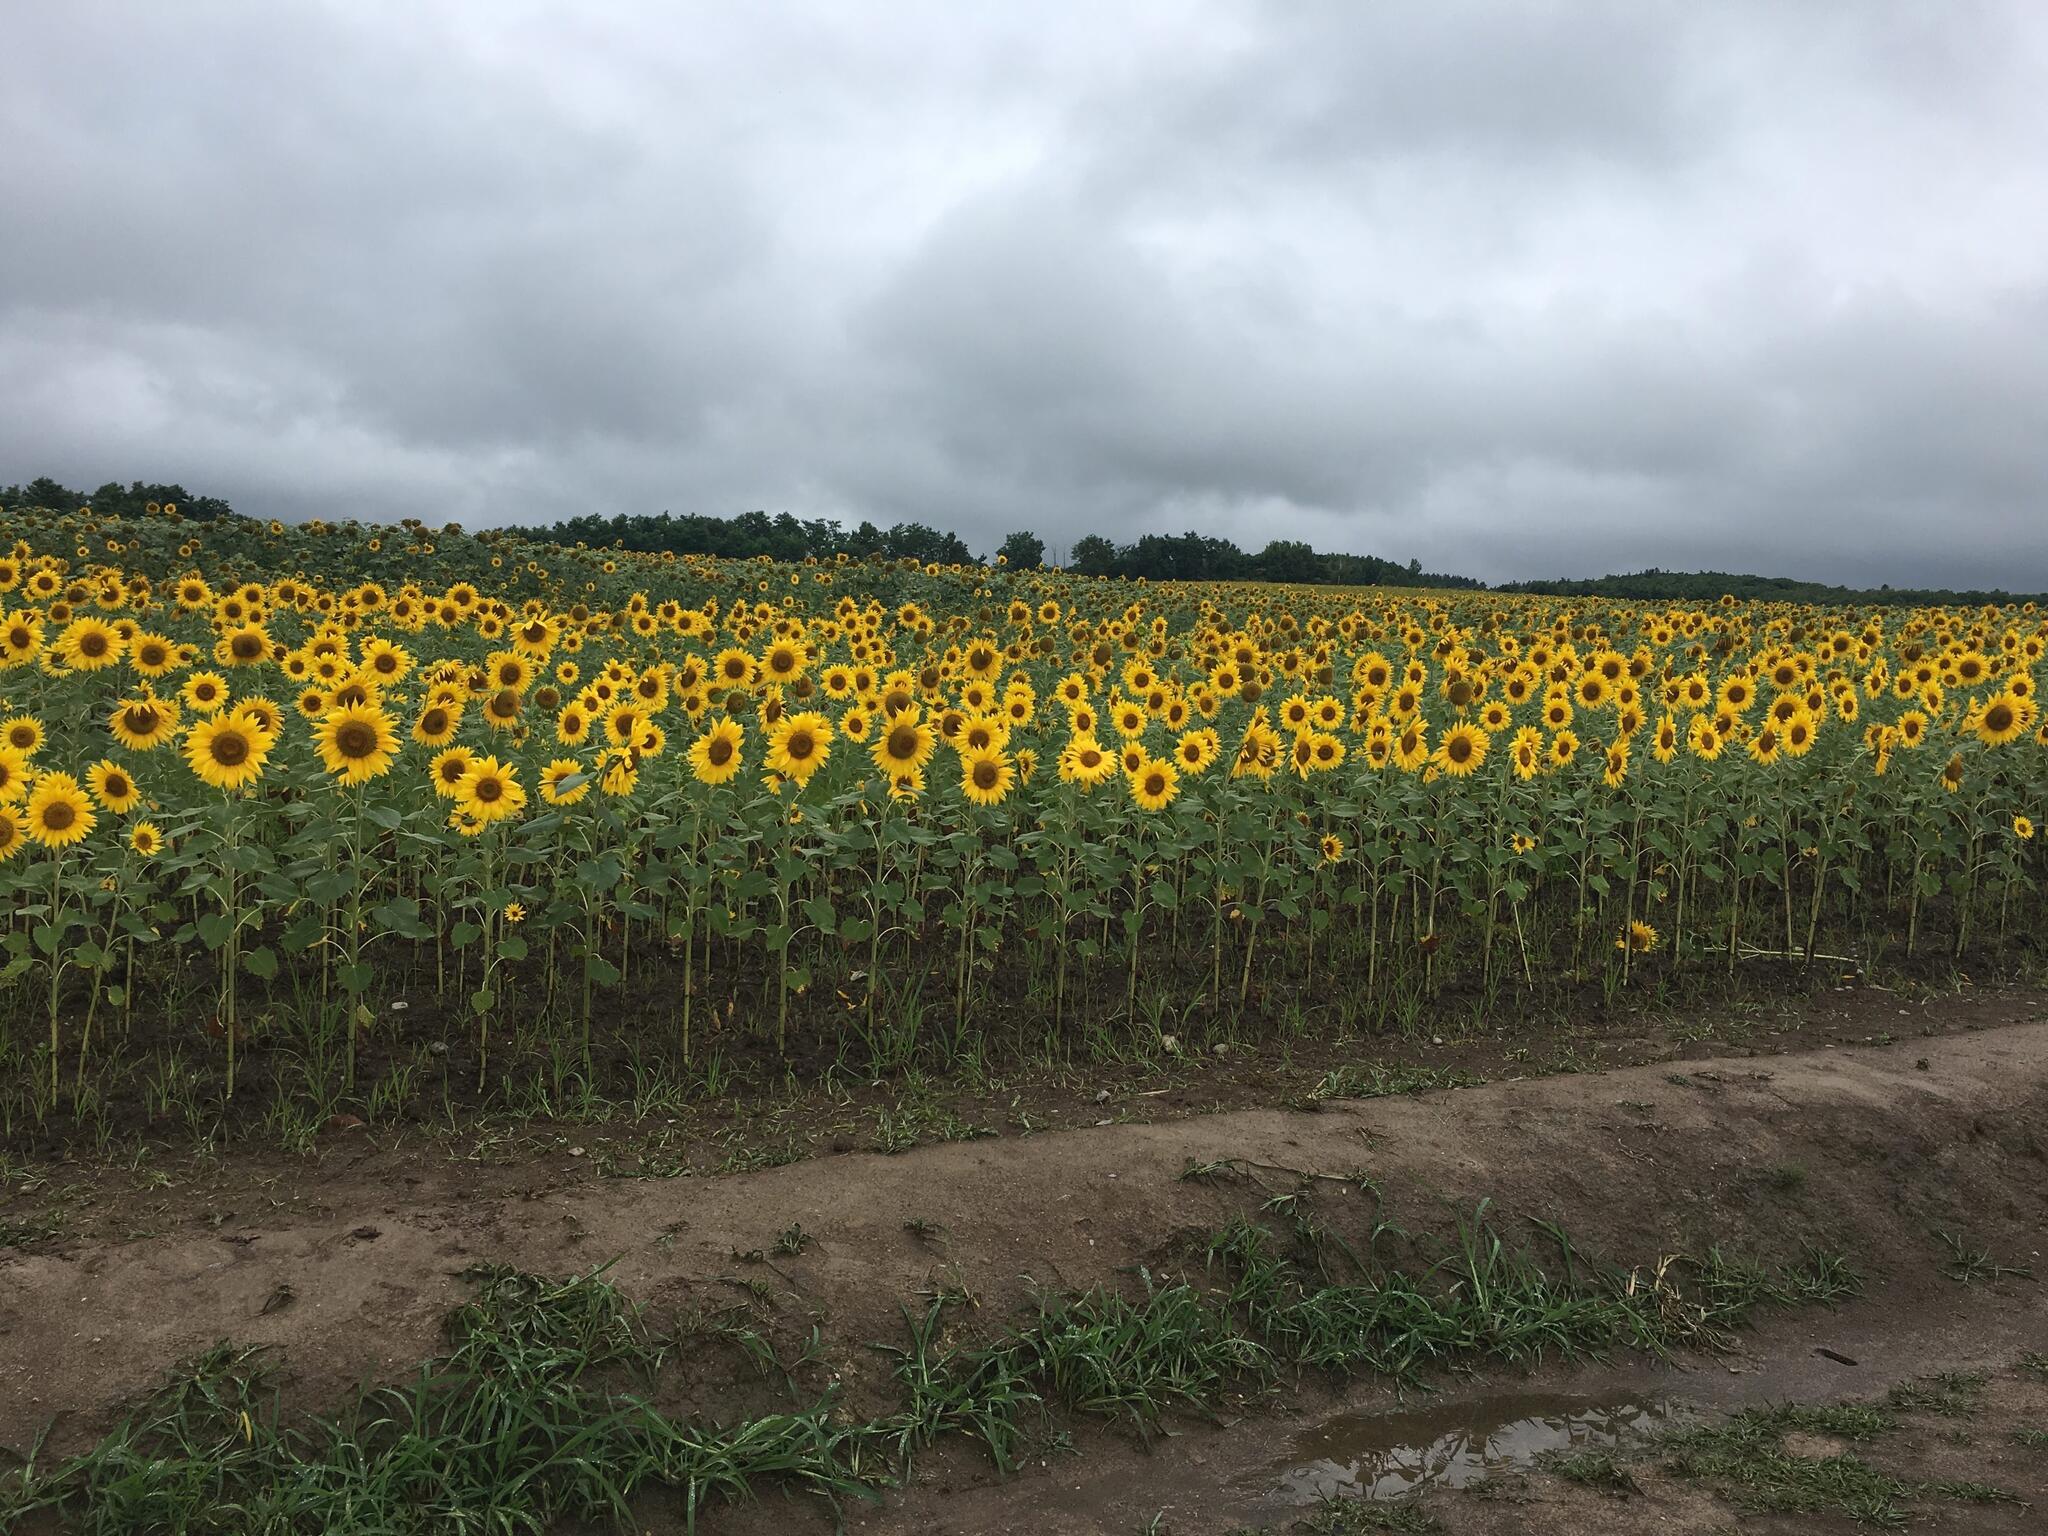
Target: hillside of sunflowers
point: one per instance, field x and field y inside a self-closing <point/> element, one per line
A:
<point x="388" y="817"/>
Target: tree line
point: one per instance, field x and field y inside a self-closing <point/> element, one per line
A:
<point x="114" y="499"/>
<point x="1701" y="587"/>
<point x="1151" y="557"/>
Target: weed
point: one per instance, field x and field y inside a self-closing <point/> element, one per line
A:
<point x="1951" y="1395"/>
<point x="1746" y="1455"/>
<point x="1379" y="1082"/>
<point x="1602" y="1471"/>
<point x="1968" y="1265"/>
<point x="1785" y="1179"/>
<point x="510" y="1430"/>
<point x="1352" y="1517"/>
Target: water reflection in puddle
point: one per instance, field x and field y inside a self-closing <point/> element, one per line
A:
<point x="1391" y="1455"/>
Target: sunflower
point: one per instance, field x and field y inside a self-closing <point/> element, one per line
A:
<point x="1664" y="745"/>
<point x="986" y="775"/>
<point x="905" y="747"/>
<point x="489" y="792"/>
<point x="11" y="834"/>
<point x="448" y="769"/>
<point x="715" y="755"/>
<point x="1154" y="785"/>
<point x="572" y="725"/>
<point x="1411" y="747"/>
<point x="1952" y="773"/>
<point x="146" y="838"/>
<point x="564" y="781"/>
<point x="262" y="713"/>
<point x="58" y="812"/>
<point x="1704" y="740"/>
<point x="1333" y="848"/>
<point x="1798" y="732"/>
<point x="619" y="773"/>
<point x="501" y="709"/>
<point x="113" y="786"/>
<point x="2023" y="829"/>
<point x="1462" y="750"/>
<point x="1564" y="747"/>
<point x="1525" y="752"/>
<point x="733" y="668"/>
<point x="1639" y="938"/>
<point x="2002" y="719"/>
<point x="205" y="692"/>
<point x="152" y="655"/>
<point x="86" y="645"/>
<point x="437" y="725"/>
<point x="1083" y="761"/>
<point x="357" y="744"/>
<point x="226" y="753"/>
<point x="24" y="733"/>
<point x="15" y="775"/>
<point x="242" y="647"/>
<point x="799" y="745"/>
<point x="1197" y="749"/>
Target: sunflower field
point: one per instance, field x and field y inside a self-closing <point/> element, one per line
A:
<point x="384" y="815"/>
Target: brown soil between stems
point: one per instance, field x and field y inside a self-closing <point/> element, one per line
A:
<point x="346" y="1266"/>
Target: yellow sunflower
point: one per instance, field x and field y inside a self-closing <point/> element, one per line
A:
<point x="226" y="753"/>
<point x="715" y="756"/>
<point x="58" y="812"/>
<point x="113" y="786"/>
<point x="564" y="781"/>
<point x="1154" y="784"/>
<point x="489" y="792"/>
<point x="799" y="745"/>
<point x="357" y="744"/>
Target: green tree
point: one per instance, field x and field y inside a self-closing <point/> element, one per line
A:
<point x="1022" y="551"/>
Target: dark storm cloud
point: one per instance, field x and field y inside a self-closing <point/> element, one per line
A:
<point x="1522" y="290"/>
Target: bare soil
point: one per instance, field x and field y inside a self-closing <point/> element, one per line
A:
<point x="346" y="1263"/>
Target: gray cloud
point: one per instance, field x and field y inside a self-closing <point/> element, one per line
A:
<point x="1530" y="290"/>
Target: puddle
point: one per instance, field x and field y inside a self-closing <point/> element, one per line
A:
<point x="1392" y="1455"/>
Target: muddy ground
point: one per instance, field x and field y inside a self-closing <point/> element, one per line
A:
<point x="1865" y="1124"/>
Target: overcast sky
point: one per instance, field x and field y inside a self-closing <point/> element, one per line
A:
<point x="1517" y="289"/>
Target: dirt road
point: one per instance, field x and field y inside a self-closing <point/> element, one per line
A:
<point x="348" y="1271"/>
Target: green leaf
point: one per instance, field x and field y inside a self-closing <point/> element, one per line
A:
<point x="820" y="911"/>
<point x="260" y="962"/>
<point x="214" y="928"/>
<point x="511" y="947"/>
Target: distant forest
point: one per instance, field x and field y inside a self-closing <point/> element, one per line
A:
<point x="1697" y="587"/>
<point x="1154" y="556"/>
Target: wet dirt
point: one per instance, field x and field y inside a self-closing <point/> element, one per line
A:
<point x="1451" y="1444"/>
